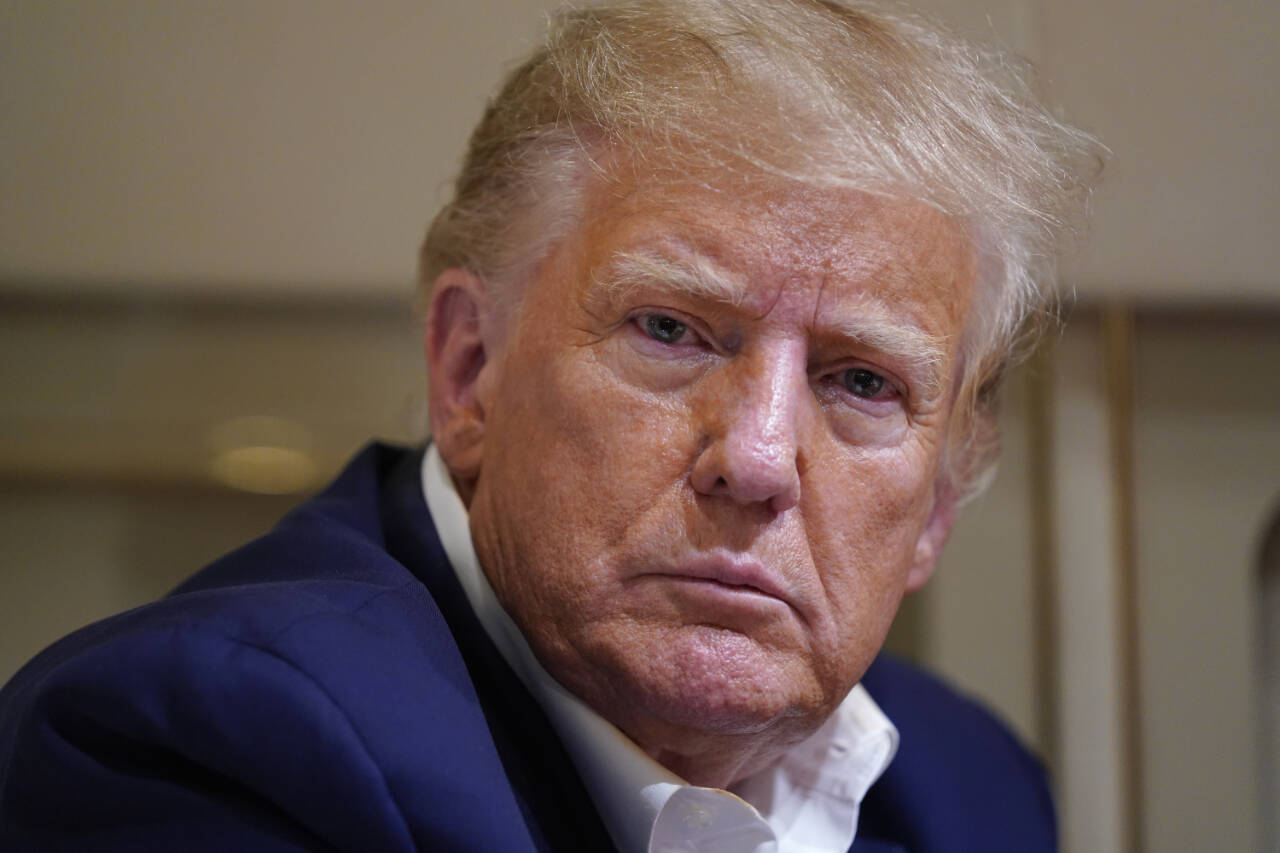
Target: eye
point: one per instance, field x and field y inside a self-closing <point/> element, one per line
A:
<point x="864" y="383"/>
<point x="667" y="330"/>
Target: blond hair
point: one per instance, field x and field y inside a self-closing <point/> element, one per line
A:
<point x="829" y="93"/>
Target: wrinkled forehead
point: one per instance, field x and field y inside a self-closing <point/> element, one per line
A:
<point x="746" y="239"/>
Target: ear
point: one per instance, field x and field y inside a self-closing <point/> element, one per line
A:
<point x="458" y="318"/>
<point x="937" y="529"/>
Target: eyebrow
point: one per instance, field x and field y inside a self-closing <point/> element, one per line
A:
<point x="871" y="324"/>
<point x="696" y="277"/>
<point x="868" y="321"/>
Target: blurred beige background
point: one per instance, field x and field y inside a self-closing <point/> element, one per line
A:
<point x="208" y="222"/>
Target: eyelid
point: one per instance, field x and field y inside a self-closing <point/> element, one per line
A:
<point x="692" y="326"/>
<point x="891" y="380"/>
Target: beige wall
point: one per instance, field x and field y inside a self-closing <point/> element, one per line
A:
<point x="242" y="145"/>
<point x="301" y="144"/>
<point x="1208" y="477"/>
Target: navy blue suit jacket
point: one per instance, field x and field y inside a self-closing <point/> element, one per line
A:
<point x="327" y="687"/>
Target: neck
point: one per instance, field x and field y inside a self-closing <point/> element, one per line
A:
<point x="718" y="760"/>
<point x="715" y="768"/>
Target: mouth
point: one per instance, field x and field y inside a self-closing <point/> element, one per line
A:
<point x="727" y="576"/>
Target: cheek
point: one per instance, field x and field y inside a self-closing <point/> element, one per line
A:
<point x="864" y="520"/>
<point x="576" y="465"/>
<point x="582" y="452"/>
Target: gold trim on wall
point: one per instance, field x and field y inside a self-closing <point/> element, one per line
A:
<point x="1044" y="580"/>
<point x="1117" y="345"/>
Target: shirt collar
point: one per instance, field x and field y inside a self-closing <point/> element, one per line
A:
<point x="810" y="797"/>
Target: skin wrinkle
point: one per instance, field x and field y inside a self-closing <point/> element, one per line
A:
<point x="868" y="322"/>
<point x="607" y="457"/>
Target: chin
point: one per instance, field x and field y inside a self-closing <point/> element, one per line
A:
<point x="719" y="681"/>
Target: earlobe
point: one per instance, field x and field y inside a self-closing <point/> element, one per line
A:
<point x="457" y="355"/>
<point x="937" y="529"/>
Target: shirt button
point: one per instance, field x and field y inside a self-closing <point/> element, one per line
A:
<point x="698" y="817"/>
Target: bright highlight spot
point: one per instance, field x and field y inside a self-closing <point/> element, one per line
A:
<point x="262" y="454"/>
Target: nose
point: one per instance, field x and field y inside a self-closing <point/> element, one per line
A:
<point x="752" y="420"/>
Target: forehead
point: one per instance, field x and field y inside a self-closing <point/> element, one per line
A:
<point x="764" y="237"/>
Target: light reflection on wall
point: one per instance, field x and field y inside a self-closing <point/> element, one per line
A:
<point x="263" y="454"/>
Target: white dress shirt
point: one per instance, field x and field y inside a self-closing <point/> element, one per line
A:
<point x="805" y="802"/>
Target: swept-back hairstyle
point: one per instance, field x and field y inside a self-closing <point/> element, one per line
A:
<point x="825" y="92"/>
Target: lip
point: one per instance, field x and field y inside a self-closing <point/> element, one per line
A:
<point x="736" y="574"/>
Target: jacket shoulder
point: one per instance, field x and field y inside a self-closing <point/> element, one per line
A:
<point x="302" y="693"/>
<point x="961" y="781"/>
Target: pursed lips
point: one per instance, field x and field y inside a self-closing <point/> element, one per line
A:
<point x="733" y="573"/>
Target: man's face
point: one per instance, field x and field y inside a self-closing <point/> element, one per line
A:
<point x="710" y="448"/>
